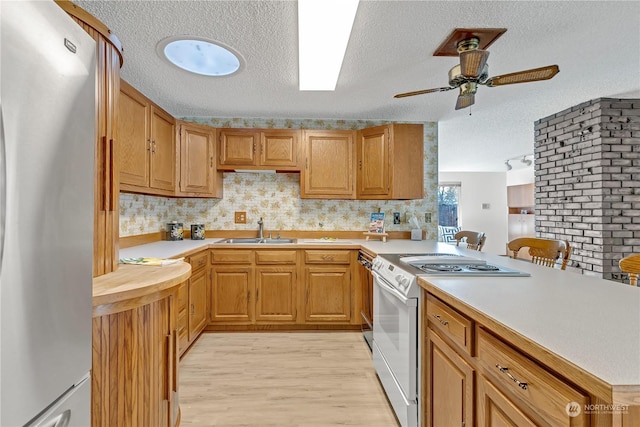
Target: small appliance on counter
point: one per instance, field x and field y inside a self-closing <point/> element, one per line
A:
<point x="197" y="232"/>
<point x="175" y="231"/>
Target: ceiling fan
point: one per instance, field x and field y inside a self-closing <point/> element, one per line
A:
<point x="473" y="70"/>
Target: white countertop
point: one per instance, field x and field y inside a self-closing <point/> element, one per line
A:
<point x="591" y="322"/>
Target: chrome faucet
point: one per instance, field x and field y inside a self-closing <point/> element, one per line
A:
<point x="261" y="229"/>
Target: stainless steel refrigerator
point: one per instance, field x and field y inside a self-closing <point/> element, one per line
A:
<point x="48" y="113"/>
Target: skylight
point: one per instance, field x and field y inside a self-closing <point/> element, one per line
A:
<point x="200" y="56"/>
<point x="324" y="28"/>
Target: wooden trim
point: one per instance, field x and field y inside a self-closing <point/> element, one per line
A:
<point x="212" y="327"/>
<point x="92" y="21"/>
<point x="142" y="239"/>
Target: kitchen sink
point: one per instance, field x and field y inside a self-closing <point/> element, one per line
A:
<point x="255" y="240"/>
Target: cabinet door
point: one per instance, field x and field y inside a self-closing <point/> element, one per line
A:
<point x="238" y="147"/>
<point x="373" y="162"/>
<point x="183" y="322"/>
<point x="279" y="148"/>
<point x="231" y="288"/>
<point x="197" y="171"/>
<point x="276" y="294"/>
<point x="328" y="294"/>
<point x="329" y="165"/>
<point x="133" y="133"/>
<point x="449" y="383"/>
<point x="521" y="196"/>
<point x="496" y="410"/>
<point x="197" y="303"/>
<point x="163" y="151"/>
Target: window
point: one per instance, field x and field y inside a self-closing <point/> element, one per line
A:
<point x="448" y="201"/>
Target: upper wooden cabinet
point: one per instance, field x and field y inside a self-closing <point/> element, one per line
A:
<point x="391" y="162"/>
<point x="198" y="176"/>
<point x="106" y="191"/>
<point x="275" y="149"/>
<point x="521" y="197"/>
<point x="147" y="156"/>
<point x="329" y="169"/>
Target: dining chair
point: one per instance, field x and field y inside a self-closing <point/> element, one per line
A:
<point x="474" y="239"/>
<point x="543" y="251"/>
<point x="631" y="265"/>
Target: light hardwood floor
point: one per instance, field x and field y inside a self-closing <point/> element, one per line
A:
<point x="269" y="379"/>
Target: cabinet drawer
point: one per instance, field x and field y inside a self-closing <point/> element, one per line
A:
<point x="199" y="261"/>
<point x="230" y="256"/>
<point x="543" y="394"/>
<point x="276" y="257"/>
<point x="327" y="257"/>
<point x="182" y="297"/>
<point x="450" y="323"/>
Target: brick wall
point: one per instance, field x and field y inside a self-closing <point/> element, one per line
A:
<point x="587" y="169"/>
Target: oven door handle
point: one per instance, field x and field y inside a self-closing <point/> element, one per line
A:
<point x="379" y="281"/>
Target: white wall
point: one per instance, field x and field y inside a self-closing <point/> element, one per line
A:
<point x="521" y="176"/>
<point x="479" y="188"/>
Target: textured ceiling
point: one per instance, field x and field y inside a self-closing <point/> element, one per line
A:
<point x="595" y="43"/>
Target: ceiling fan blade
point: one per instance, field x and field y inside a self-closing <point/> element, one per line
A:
<point x="472" y="62"/>
<point x="535" y="74"/>
<point x="465" y="101"/>
<point x="421" y="92"/>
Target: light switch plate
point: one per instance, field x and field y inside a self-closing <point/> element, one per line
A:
<point x="396" y="217"/>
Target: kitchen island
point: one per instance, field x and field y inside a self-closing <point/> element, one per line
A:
<point x="578" y="334"/>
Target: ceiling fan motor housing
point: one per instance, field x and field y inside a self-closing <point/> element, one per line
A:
<point x="456" y="78"/>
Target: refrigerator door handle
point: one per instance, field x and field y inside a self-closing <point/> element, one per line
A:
<point x="3" y="187"/>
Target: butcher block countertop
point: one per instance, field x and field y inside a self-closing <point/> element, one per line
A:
<point x="132" y="285"/>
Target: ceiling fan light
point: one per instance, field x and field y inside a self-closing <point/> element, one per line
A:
<point x="526" y="161"/>
<point x="472" y="62"/>
<point x="508" y="165"/>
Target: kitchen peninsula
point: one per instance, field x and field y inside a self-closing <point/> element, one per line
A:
<point x="577" y="336"/>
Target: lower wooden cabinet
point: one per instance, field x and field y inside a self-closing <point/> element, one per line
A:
<point x="283" y="288"/>
<point x="496" y="410"/>
<point x="327" y="286"/>
<point x="328" y="294"/>
<point x="193" y="301"/>
<point x="254" y="287"/>
<point x="473" y="377"/>
<point x="450" y="385"/>
<point x="276" y="294"/>
<point x="198" y="286"/>
<point x="231" y="288"/>
<point x="134" y="365"/>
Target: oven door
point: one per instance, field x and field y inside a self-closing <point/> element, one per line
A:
<point x="395" y="334"/>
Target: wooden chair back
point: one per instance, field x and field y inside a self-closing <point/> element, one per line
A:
<point x="474" y="239"/>
<point x="543" y="251"/>
<point x="631" y="265"/>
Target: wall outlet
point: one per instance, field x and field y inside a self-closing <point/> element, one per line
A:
<point x="240" y="218"/>
<point x="396" y="217"/>
<point x="427" y="217"/>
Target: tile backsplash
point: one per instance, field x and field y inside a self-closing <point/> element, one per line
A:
<point x="276" y="197"/>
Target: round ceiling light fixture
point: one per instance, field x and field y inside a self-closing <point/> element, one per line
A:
<point x="200" y="56"/>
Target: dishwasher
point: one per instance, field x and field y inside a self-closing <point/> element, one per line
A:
<point x="366" y="284"/>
